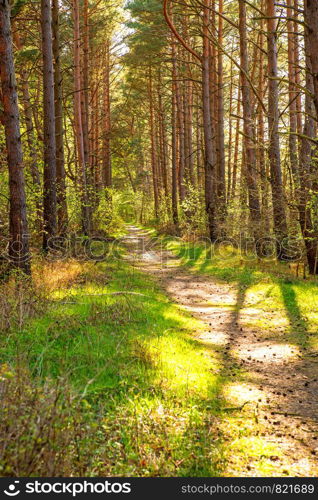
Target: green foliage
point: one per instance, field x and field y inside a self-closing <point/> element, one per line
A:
<point x="193" y="216"/>
<point x="17" y="6"/>
<point x="107" y="214"/>
<point x="27" y="54"/>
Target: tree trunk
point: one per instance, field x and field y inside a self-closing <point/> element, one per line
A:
<point x="154" y="159"/>
<point x="293" y="156"/>
<point x="181" y="133"/>
<point x="278" y="197"/>
<point x="249" y="133"/>
<point x="49" y="184"/>
<point x="19" y="244"/>
<point x="107" y="166"/>
<point x="207" y="127"/>
<point x="236" y="147"/>
<point x="174" y="145"/>
<point x="84" y="82"/>
<point x="307" y="165"/>
<point x="298" y="71"/>
<point x="221" y="191"/>
<point x="261" y="152"/>
<point x="59" y="129"/>
<point x="78" y="115"/>
<point x="311" y="20"/>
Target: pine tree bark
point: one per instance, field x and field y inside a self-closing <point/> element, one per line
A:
<point x="107" y="165"/>
<point x="174" y="145"/>
<point x="62" y="215"/>
<point x="278" y="196"/>
<point x="292" y="89"/>
<point x="249" y="132"/>
<point x="311" y="20"/>
<point x="49" y="176"/>
<point x="19" y="239"/>
<point x="78" y="115"/>
<point x="308" y="164"/>
<point x="207" y="127"/>
<point x="154" y="159"/>
<point x="221" y="190"/>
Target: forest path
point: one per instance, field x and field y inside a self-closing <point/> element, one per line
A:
<point x="279" y="384"/>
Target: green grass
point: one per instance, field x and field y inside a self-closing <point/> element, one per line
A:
<point x="156" y="399"/>
<point x="151" y="388"/>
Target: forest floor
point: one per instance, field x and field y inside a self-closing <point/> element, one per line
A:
<point x="158" y="360"/>
<point x="268" y="366"/>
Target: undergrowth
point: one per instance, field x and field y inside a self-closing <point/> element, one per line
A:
<point x="101" y="373"/>
<point x="113" y="374"/>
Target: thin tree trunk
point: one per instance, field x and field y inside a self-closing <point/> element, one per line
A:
<point x="78" y="102"/>
<point x="220" y="121"/>
<point x="59" y="129"/>
<point x="49" y="184"/>
<point x="153" y="147"/>
<point x="307" y="165"/>
<point x="31" y="140"/>
<point x="84" y="81"/>
<point x="107" y="166"/>
<point x="162" y="139"/>
<point x="19" y="238"/>
<point x="298" y="71"/>
<point x="181" y="170"/>
<point x="292" y="96"/>
<point x="229" y="159"/>
<point x="262" y="164"/>
<point x="249" y="133"/>
<point x="311" y="20"/>
<point x="278" y="197"/>
<point x="174" y="145"/>
<point x="236" y="146"/>
<point x="207" y="127"/>
<point x="28" y="118"/>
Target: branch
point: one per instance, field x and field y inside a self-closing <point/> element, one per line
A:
<point x="175" y="32"/>
<point x="255" y="92"/>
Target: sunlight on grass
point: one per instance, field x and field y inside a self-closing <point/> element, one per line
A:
<point x="135" y="362"/>
<point x="148" y="372"/>
<point x="260" y="456"/>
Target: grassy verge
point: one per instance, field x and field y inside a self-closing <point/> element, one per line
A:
<point x="272" y="304"/>
<point x="136" y="394"/>
<point x="102" y="375"/>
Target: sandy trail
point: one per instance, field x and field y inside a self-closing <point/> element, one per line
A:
<point x="280" y="383"/>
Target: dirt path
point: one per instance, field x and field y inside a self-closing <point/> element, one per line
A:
<point x="281" y="385"/>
